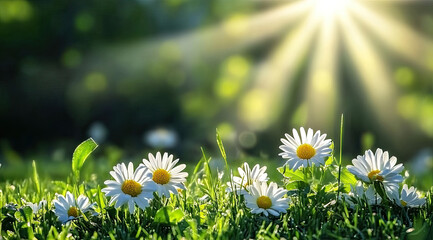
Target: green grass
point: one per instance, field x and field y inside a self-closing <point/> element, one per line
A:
<point x="207" y="211"/>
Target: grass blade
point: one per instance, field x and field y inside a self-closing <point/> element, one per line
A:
<point x="36" y="178"/>
<point x="221" y="147"/>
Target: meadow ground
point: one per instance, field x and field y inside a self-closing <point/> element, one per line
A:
<point x="318" y="208"/>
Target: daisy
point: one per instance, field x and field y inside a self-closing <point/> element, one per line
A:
<point x="408" y="198"/>
<point x="378" y="167"/>
<point x="167" y="177"/>
<point x="129" y="187"/>
<point x="67" y="208"/>
<point x="266" y="199"/>
<point x="305" y="150"/>
<point x="35" y="206"/>
<point x="357" y="192"/>
<point x="247" y="178"/>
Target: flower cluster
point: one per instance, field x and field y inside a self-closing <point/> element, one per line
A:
<point x="132" y="187"/>
<point x="159" y="176"/>
<point x="310" y="149"/>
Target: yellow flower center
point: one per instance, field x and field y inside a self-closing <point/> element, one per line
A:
<point x="305" y="151"/>
<point x="373" y="175"/>
<point x="161" y="176"/>
<point x="264" y="202"/>
<point x="73" y="212"/>
<point x="403" y="203"/>
<point x="131" y="187"/>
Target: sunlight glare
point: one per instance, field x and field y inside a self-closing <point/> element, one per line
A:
<point x="329" y="8"/>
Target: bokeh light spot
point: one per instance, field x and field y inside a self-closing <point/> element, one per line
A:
<point x="84" y="22"/>
<point x="169" y="51"/>
<point x="227" y="88"/>
<point x="237" y="66"/>
<point x="226" y="131"/>
<point x="255" y="109"/>
<point x="367" y="140"/>
<point x="426" y="116"/>
<point x="236" y="25"/>
<point x="71" y="58"/>
<point x="404" y="76"/>
<point x="15" y="10"/>
<point x="95" y="82"/>
<point x="247" y="139"/>
<point x="407" y="106"/>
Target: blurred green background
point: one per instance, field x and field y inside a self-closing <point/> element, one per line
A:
<point x="145" y="75"/>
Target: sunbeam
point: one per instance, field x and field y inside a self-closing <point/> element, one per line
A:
<point x="275" y="77"/>
<point x="395" y="35"/>
<point x="210" y="43"/>
<point x="379" y="91"/>
<point x="322" y="88"/>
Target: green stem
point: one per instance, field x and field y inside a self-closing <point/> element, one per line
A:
<point x="341" y="150"/>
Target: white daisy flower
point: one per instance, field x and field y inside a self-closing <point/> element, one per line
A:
<point x="247" y="177"/>
<point x="66" y="208"/>
<point x="357" y="192"/>
<point x="129" y="187"/>
<point x="266" y="199"/>
<point x="408" y="198"/>
<point x="378" y="167"/>
<point x="167" y="177"/>
<point x="305" y="150"/>
<point x="35" y="206"/>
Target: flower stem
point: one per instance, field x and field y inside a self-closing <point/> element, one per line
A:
<point x="341" y="150"/>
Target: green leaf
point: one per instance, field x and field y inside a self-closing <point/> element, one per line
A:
<point x="297" y="175"/>
<point x="167" y="215"/>
<point x="347" y="179"/>
<point x="297" y="185"/>
<point x="80" y="155"/>
<point x="26" y="212"/>
<point x="36" y="177"/>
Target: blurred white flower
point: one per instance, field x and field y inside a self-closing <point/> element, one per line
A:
<point x="408" y="198"/>
<point x="67" y="208"/>
<point x="161" y="138"/>
<point x="422" y="162"/>
<point x="35" y="206"/>
<point x="357" y="192"/>
<point x="98" y="132"/>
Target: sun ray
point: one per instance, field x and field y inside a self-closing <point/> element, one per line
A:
<point x="380" y="94"/>
<point x="236" y="34"/>
<point x="395" y="35"/>
<point x="275" y="77"/>
<point x="321" y="90"/>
